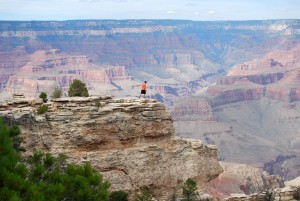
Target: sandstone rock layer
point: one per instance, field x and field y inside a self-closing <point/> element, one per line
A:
<point x="130" y="141"/>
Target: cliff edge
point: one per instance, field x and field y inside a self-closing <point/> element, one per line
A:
<point x="130" y="141"/>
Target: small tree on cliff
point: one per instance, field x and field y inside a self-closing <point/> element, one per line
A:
<point x="78" y="88"/>
<point x="57" y="93"/>
<point x="43" y="96"/>
<point x="45" y="177"/>
<point x="189" y="190"/>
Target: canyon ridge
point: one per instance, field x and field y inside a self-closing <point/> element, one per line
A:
<point x="230" y="84"/>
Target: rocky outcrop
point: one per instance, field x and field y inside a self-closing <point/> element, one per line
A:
<point x="130" y="141"/>
<point x="241" y="182"/>
<point x="242" y="179"/>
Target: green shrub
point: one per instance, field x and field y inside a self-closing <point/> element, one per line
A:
<point x="43" y="96"/>
<point x="12" y="177"/>
<point x="61" y="181"/>
<point x="57" y="93"/>
<point x="42" y="109"/>
<point x="78" y="88"/>
<point x="118" y="196"/>
<point x="98" y="103"/>
<point x="297" y="194"/>
<point x="189" y="190"/>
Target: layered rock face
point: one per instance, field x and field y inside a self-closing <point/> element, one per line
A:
<point x="130" y="141"/>
<point x="180" y="56"/>
<point x="252" y="114"/>
<point x="11" y="61"/>
<point x="46" y="70"/>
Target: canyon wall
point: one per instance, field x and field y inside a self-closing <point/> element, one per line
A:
<point x="252" y="114"/>
<point x="46" y="70"/>
<point x="130" y="141"/>
<point x="180" y="56"/>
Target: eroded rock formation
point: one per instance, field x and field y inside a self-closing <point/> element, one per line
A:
<point x="130" y="141"/>
<point x="46" y="70"/>
<point x="252" y="114"/>
<point x="242" y="179"/>
<point x="179" y="56"/>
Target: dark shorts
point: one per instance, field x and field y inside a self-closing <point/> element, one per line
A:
<point x="143" y="91"/>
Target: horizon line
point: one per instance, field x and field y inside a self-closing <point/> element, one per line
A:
<point x="141" y="19"/>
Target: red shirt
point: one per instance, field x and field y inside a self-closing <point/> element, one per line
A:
<point x="144" y="86"/>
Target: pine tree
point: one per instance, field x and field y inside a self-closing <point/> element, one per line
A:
<point x="189" y="190"/>
<point x="43" y="96"/>
<point x="45" y="177"/>
<point x="57" y="93"/>
<point x="78" y="88"/>
<point x="12" y="174"/>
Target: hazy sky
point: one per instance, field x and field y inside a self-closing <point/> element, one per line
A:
<point x="149" y="9"/>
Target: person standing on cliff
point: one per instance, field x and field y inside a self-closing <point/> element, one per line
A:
<point x="144" y="89"/>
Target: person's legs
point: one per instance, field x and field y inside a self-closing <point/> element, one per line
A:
<point x="143" y="92"/>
